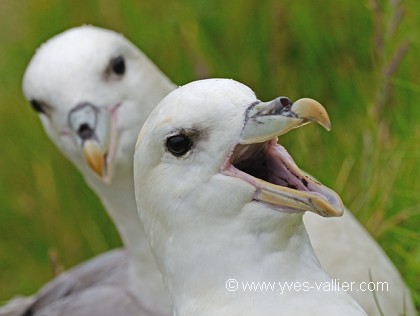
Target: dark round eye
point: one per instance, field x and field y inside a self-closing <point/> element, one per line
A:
<point x="178" y="145"/>
<point x="118" y="65"/>
<point x="37" y="106"/>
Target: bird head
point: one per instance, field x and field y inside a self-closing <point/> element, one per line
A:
<point x="93" y="89"/>
<point x="209" y="151"/>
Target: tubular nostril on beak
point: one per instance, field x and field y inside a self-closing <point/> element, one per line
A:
<point x="285" y="101"/>
<point x="278" y="106"/>
<point x="83" y="120"/>
<point x="85" y="131"/>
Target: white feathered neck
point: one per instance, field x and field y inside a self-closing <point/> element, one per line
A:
<point x="206" y="228"/>
<point x="198" y="259"/>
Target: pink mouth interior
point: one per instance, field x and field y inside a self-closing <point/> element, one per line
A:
<point x="269" y="162"/>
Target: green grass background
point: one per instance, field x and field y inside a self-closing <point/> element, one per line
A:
<point x="359" y="58"/>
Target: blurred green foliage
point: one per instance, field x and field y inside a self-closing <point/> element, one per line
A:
<point x="359" y="58"/>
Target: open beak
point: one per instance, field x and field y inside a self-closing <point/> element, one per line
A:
<point x="259" y="160"/>
<point x="97" y="135"/>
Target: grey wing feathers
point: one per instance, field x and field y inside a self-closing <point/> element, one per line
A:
<point x="16" y="306"/>
<point x="104" y="301"/>
<point x="102" y="279"/>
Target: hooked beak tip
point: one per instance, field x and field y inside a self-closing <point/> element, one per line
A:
<point x="312" y="110"/>
<point x="267" y="120"/>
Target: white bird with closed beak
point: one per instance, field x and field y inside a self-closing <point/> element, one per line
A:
<point x="92" y="89"/>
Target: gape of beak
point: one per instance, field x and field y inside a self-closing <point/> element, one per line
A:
<point x="259" y="160"/>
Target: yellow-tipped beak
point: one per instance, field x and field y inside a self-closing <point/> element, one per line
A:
<point x="95" y="157"/>
<point x="259" y="160"/>
<point x="303" y="200"/>
<point x="95" y="132"/>
<point x="270" y="119"/>
<point x="312" y="111"/>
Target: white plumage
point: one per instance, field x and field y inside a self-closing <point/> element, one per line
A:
<point x="216" y="209"/>
<point x="74" y="67"/>
<point x="93" y="88"/>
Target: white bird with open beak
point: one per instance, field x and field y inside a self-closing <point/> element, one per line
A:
<point x="92" y="90"/>
<point x="221" y="200"/>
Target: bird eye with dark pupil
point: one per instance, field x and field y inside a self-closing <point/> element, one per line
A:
<point x="118" y="65"/>
<point x="178" y="145"/>
<point x="37" y="106"/>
